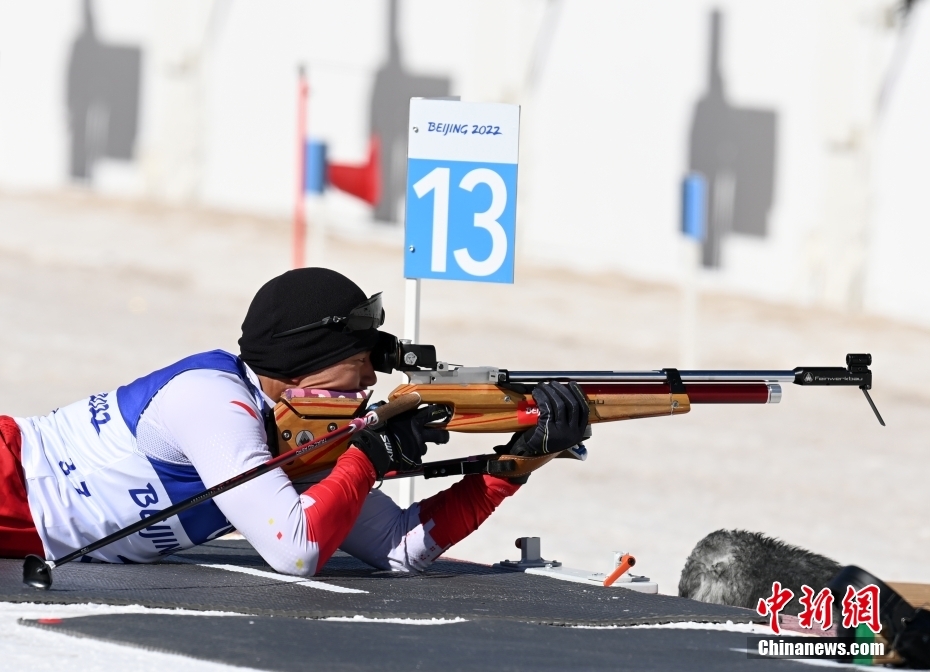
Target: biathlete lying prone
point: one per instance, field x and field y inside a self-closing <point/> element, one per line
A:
<point x="90" y="468"/>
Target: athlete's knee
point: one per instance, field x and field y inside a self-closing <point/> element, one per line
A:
<point x="302" y="562"/>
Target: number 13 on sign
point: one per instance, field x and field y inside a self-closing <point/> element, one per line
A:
<point x="461" y="195"/>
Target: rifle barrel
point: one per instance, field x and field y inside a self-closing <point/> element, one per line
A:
<point x="696" y="376"/>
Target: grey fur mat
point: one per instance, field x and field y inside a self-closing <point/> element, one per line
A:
<point x="737" y="568"/>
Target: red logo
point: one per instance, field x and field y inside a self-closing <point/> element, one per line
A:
<point x="861" y="608"/>
<point x="817" y="609"/>
<point x="527" y="412"/>
<point x="772" y="606"/>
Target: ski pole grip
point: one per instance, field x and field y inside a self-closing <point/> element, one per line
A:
<point x="402" y="404"/>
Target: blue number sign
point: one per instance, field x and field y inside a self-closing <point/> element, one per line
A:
<point x="461" y="190"/>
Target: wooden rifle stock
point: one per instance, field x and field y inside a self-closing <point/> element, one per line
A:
<point x="488" y="408"/>
<point x="485" y="408"/>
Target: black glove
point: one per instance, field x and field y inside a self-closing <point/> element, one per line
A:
<point x="401" y="443"/>
<point x="375" y="449"/>
<point x="408" y="432"/>
<point x="563" y="418"/>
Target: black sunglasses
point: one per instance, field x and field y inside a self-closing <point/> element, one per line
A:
<point x="365" y="316"/>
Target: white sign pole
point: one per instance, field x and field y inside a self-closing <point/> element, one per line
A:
<point x="412" y="310"/>
<point x="687" y="333"/>
<point x="694" y="226"/>
<point x="411" y="333"/>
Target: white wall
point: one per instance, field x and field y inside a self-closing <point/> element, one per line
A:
<point x="607" y="88"/>
<point x="34" y="42"/>
<point x="898" y="268"/>
<point x="611" y="123"/>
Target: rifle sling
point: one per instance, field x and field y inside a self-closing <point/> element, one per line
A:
<point x="510" y="466"/>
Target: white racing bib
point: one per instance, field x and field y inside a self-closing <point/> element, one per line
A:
<point x="85" y="478"/>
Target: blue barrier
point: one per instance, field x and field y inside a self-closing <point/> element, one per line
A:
<point x="315" y="157"/>
<point x="694" y="206"/>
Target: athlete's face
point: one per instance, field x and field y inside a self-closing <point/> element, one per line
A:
<point x="354" y="373"/>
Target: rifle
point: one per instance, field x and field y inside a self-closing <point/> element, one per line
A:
<point x="490" y="400"/>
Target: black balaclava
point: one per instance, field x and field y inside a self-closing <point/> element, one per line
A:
<point x="295" y="299"/>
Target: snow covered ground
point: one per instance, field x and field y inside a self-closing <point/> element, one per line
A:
<point x="37" y="650"/>
<point x="94" y="293"/>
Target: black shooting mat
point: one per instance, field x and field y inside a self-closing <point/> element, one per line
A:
<point x="290" y="644"/>
<point x="448" y="589"/>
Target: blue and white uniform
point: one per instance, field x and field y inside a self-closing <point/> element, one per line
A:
<point x="107" y="461"/>
<point x="104" y="462"/>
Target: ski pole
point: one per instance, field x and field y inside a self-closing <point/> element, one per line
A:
<point x="37" y="572"/>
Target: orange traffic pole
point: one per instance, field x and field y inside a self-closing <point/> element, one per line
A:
<point x="623" y="567"/>
<point x="300" y="219"/>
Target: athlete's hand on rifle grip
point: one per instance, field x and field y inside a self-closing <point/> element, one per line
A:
<point x="563" y="417"/>
<point x="401" y="443"/>
<point x="409" y="431"/>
